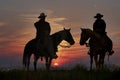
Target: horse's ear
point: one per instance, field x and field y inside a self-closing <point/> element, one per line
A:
<point x="64" y="28"/>
<point x="69" y="29"/>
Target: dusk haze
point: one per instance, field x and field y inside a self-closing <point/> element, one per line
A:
<point x="17" y="18"/>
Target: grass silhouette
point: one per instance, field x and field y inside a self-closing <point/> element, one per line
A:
<point x="76" y="73"/>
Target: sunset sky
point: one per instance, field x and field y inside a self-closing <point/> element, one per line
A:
<point x="17" y="18"/>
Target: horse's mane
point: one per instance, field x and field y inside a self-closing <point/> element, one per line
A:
<point x="92" y="32"/>
<point x="88" y="29"/>
<point x="56" y="39"/>
<point x="56" y="33"/>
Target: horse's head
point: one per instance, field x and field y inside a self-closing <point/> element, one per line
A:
<point x="85" y="35"/>
<point x="66" y="35"/>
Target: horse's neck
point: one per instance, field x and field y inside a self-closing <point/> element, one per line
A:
<point x="56" y="38"/>
<point x="94" y="35"/>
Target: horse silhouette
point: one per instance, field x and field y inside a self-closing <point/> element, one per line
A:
<point x="30" y="48"/>
<point x="99" y="45"/>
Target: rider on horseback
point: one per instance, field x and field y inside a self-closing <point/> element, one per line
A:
<point x="43" y="35"/>
<point x="99" y="27"/>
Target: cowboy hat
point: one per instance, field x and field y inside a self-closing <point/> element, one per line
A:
<point x="98" y="15"/>
<point x="42" y="15"/>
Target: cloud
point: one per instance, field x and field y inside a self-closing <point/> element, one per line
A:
<point x="3" y="24"/>
<point x="55" y="25"/>
<point x="20" y="28"/>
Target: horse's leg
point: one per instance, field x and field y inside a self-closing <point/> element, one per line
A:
<point x="96" y="61"/>
<point x="47" y="63"/>
<point x="50" y="61"/>
<point x="101" y="60"/>
<point x="91" y="62"/>
<point x="26" y="58"/>
<point x="35" y="62"/>
<point x="28" y="63"/>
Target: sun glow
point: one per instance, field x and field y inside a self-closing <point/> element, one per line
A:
<point x="56" y="64"/>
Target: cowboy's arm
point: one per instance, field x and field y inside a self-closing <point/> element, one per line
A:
<point x="47" y="29"/>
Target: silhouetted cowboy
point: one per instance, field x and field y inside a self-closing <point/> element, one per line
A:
<point x="43" y="35"/>
<point x="99" y="27"/>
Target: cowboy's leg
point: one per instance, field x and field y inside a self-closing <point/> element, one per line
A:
<point x="39" y="43"/>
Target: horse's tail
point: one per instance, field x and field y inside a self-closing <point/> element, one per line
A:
<point x="25" y="55"/>
<point x="27" y="52"/>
